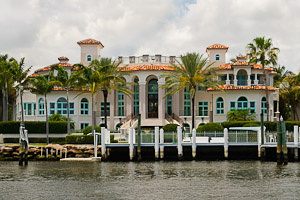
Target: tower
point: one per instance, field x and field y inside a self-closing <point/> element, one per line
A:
<point x="90" y="50"/>
<point x="217" y="54"/>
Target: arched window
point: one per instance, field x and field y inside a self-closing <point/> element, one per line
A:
<point x="242" y="103"/>
<point x="187" y="128"/>
<point x="217" y="57"/>
<point x="264" y="105"/>
<point x="84" y="107"/>
<point x="89" y="58"/>
<point x="220" y="106"/>
<point x="118" y="126"/>
<point x="120" y="103"/>
<point x="41" y="106"/>
<point x="61" y="106"/>
<point x="187" y="103"/>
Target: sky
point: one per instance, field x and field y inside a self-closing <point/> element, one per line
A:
<point x="43" y="30"/>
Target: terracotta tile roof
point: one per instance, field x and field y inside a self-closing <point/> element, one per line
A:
<point x="62" y="58"/>
<point x="243" y="63"/>
<point x="90" y="41"/>
<point x="231" y="87"/>
<point x="72" y="89"/>
<point x="48" y="67"/>
<point x="217" y="46"/>
<point x="147" y="67"/>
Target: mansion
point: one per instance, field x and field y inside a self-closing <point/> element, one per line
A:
<point x="243" y="88"/>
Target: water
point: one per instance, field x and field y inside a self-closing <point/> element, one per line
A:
<point x="150" y="180"/>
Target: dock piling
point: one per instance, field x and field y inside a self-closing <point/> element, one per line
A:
<point x="103" y="149"/>
<point x="194" y="147"/>
<point x="226" y="143"/>
<point x="156" y="144"/>
<point x="296" y="141"/>
<point x="161" y="148"/>
<point x="131" y="143"/>
<point x="179" y="142"/>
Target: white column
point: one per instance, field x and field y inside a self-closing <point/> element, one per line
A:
<point x="179" y="142"/>
<point x="235" y="80"/>
<point x="129" y="103"/>
<point x="225" y="142"/>
<point x="259" y="142"/>
<point x="255" y="80"/>
<point x="156" y="145"/>
<point x="194" y="147"/>
<point x="227" y="79"/>
<point x="133" y="136"/>
<point x="131" y="143"/>
<point x="176" y="103"/>
<point x="103" y="149"/>
<point x="142" y="96"/>
<point x="161" y="135"/>
<point x="249" y="80"/>
<point x="296" y="140"/>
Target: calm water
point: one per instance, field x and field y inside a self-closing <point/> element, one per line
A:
<point x="150" y="180"/>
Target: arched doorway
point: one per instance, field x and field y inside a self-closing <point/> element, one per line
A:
<point x="153" y="99"/>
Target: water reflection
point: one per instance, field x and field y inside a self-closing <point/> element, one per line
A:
<point x="151" y="180"/>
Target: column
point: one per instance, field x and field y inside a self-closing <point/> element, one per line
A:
<point x="112" y="110"/>
<point x="176" y="103"/>
<point x="142" y="103"/>
<point x="129" y="103"/>
<point x="161" y="100"/>
<point x="255" y="80"/>
<point x="249" y="80"/>
<point x="227" y="79"/>
<point x="235" y="80"/>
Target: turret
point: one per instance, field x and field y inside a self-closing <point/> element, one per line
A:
<point x="217" y="54"/>
<point x="90" y="50"/>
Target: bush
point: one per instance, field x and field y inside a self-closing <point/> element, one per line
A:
<point x="33" y="127"/>
<point x="240" y="115"/>
<point x="112" y="139"/>
<point x="251" y="125"/>
<point x="60" y="118"/>
<point x="80" y="139"/>
<point x="170" y="128"/>
<point x="88" y="129"/>
<point x="36" y="140"/>
<point x="210" y="127"/>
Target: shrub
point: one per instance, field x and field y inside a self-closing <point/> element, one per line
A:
<point x="251" y="125"/>
<point x="210" y="127"/>
<point x="240" y="115"/>
<point x="170" y="128"/>
<point x="112" y="139"/>
<point x="36" y="140"/>
<point x="57" y="117"/>
<point x="33" y="127"/>
<point x="88" y="129"/>
<point x="79" y="139"/>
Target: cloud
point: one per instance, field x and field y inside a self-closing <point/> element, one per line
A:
<point x="44" y="30"/>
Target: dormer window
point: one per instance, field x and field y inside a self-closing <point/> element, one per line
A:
<point x="89" y="58"/>
<point x="217" y="57"/>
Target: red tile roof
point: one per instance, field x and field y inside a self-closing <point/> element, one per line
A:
<point x="90" y="41"/>
<point x="48" y="67"/>
<point x="147" y="67"/>
<point x="244" y="63"/>
<point x="231" y="87"/>
<point x="217" y="46"/>
<point x="62" y="58"/>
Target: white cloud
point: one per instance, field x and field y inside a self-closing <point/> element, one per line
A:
<point x="44" y="30"/>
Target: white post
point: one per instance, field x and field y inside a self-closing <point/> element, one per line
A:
<point x="133" y="136"/>
<point x="47" y="152"/>
<point x="225" y="142"/>
<point x="66" y="151"/>
<point x="95" y="143"/>
<point x="161" y="135"/>
<point x="296" y="135"/>
<point x="103" y="142"/>
<point x="156" y="142"/>
<point x="51" y="151"/>
<point x="179" y="142"/>
<point x="259" y="142"/>
<point x="194" y="147"/>
<point x="60" y="153"/>
<point x="131" y="143"/>
<point x="41" y="151"/>
<point x="107" y="137"/>
<point x="56" y="152"/>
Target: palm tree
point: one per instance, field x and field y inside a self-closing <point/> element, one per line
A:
<point x="112" y="78"/>
<point x="67" y="82"/>
<point x="43" y="85"/>
<point x="290" y="92"/>
<point x="261" y="51"/>
<point x="5" y="80"/>
<point x="20" y="76"/>
<point x="281" y="73"/>
<point x="192" y="72"/>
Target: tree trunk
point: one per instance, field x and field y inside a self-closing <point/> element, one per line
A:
<point x="22" y="108"/>
<point x="93" y="115"/>
<point x="105" y="94"/>
<point x="6" y="96"/>
<point x="47" y="122"/>
<point x="3" y="105"/>
<point x="68" y="115"/>
<point x="193" y="112"/>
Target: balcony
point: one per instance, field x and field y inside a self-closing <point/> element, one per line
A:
<point x="148" y="59"/>
<point x="242" y="83"/>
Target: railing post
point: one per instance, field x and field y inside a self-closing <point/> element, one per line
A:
<point x="179" y="142"/>
<point x="194" y="147"/>
<point x="95" y="143"/>
<point x="162" y="138"/>
<point x="225" y="142"/>
<point x="296" y="137"/>
<point x="259" y="142"/>
<point x="134" y="140"/>
<point x="156" y="145"/>
<point x="103" y="149"/>
<point x="131" y="143"/>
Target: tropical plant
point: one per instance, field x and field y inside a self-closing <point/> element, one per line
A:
<point x="261" y="51"/>
<point x="43" y="85"/>
<point x="20" y="75"/>
<point x="240" y="115"/>
<point x="290" y="93"/>
<point x="66" y="82"/>
<point x="191" y="73"/>
<point x="112" y="78"/>
<point x="281" y="73"/>
<point x="210" y="127"/>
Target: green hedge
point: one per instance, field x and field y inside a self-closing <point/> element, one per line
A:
<point x="36" y="140"/>
<point x="88" y="129"/>
<point x="270" y="126"/>
<point x="170" y="127"/>
<point x="210" y="127"/>
<point x="33" y="127"/>
<point x="80" y="139"/>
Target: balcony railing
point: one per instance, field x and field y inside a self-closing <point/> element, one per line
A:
<point x="148" y="59"/>
<point x="242" y="82"/>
